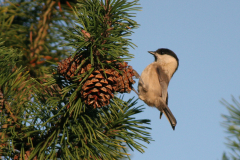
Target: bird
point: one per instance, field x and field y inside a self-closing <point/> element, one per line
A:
<point x="154" y="81"/>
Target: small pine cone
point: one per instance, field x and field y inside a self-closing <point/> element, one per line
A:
<point x="97" y="90"/>
<point x="68" y="66"/>
<point x="1" y="101"/>
<point x="124" y="80"/>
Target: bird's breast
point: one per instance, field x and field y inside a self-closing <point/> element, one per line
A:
<point x="150" y="90"/>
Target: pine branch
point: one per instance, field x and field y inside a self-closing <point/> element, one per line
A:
<point x="42" y="29"/>
<point x="12" y="93"/>
<point x="35" y="28"/>
<point x="73" y="113"/>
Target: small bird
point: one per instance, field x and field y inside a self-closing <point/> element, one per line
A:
<point x="154" y="81"/>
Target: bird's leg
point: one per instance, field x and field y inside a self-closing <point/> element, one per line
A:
<point x="145" y="88"/>
<point x="138" y="76"/>
<point x="135" y="91"/>
<point x="160" y="104"/>
<point x="161" y="114"/>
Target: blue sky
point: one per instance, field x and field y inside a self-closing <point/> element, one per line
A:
<point x="205" y="35"/>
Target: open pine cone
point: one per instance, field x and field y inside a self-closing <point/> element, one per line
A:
<point x="98" y="89"/>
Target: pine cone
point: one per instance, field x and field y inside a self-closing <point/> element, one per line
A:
<point x="98" y="89"/>
<point x="124" y="81"/>
<point x="68" y="66"/>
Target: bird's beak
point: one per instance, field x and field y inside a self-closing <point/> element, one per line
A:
<point x="152" y="52"/>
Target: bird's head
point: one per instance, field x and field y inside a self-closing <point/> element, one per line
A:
<point x="166" y="57"/>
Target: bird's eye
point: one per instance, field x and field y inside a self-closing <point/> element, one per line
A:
<point x="162" y="52"/>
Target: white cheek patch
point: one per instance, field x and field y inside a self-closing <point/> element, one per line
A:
<point x="167" y="59"/>
<point x="168" y="63"/>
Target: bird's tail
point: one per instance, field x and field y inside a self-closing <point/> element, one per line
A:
<point x="172" y="120"/>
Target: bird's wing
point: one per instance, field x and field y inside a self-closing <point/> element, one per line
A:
<point x="163" y="80"/>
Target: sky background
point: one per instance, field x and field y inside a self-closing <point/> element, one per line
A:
<point x="205" y="36"/>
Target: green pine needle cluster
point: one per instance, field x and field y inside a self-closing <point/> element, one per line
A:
<point x="232" y="124"/>
<point x="104" y="30"/>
